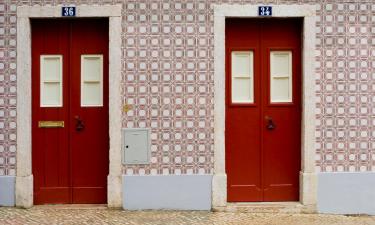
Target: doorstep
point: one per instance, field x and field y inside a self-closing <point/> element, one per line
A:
<point x="266" y="207"/>
<point x="71" y="206"/>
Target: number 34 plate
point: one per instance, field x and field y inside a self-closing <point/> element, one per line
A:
<point x="265" y="11"/>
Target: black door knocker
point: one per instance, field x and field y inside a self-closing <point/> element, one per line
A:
<point x="270" y="124"/>
<point x="79" y="123"/>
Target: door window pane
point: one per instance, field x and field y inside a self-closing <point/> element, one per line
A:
<point x="91" y="80"/>
<point x="242" y="77"/>
<point x="281" y="76"/>
<point x="51" y="80"/>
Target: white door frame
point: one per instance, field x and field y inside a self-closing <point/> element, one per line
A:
<point x="24" y="177"/>
<point x="308" y="180"/>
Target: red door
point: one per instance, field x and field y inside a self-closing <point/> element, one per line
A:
<point x="263" y="109"/>
<point x="70" y="139"/>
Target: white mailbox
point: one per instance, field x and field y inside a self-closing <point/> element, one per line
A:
<point x="136" y="146"/>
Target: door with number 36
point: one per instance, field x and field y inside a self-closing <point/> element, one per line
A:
<point x="70" y="139"/>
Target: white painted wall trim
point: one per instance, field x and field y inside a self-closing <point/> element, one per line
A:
<point x="24" y="178"/>
<point x="308" y="179"/>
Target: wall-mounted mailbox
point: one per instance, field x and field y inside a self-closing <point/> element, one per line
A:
<point x="136" y="146"/>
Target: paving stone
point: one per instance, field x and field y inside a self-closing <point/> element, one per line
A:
<point x="93" y="216"/>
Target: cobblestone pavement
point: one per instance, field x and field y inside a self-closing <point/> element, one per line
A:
<point x="45" y="215"/>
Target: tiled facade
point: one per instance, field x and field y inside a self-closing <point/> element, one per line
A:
<point x="168" y="80"/>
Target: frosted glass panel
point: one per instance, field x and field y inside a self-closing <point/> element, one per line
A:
<point x="51" y="80"/>
<point x="280" y="89"/>
<point x="241" y="89"/>
<point x="92" y="68"/>
<point x="242" y="77"/>
<point x="281" y="76"/>
<point x="242" y="64"/>
<point x="92" y="94"/>
<point x="51" y="94"/>
<point x="280" y="63"/>
<point x="51" y="68"/>
<point x="91" y="80"/>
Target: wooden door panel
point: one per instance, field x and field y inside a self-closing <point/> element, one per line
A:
<point x="90" y="146"/>
<point x="263" y="164"/>
<point x="244" y="182"/>
<point x="50" y="158"/>
<point x="69" y="166"/>
<point x="242" y="173"/>
<point x="89" y="195"/>
<point x="282" y="146"/>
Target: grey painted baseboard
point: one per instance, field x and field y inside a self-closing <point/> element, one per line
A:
<point x="176" y="192"/>
<point x="7" y="187"/>
<point x="346" y="193"/>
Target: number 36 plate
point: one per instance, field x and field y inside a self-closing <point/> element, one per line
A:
<point x="68" y="11"/>
<point x="265" y="11"/>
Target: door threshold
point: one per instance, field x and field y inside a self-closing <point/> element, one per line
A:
<point x="71" y="206"/>
<point x="266" y="207"/>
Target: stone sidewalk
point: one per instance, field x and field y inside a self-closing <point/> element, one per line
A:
<point x="70" y="216"/>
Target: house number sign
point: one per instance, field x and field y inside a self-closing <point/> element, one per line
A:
<point x="265" y="11"/>
<point x="68" y="11"/>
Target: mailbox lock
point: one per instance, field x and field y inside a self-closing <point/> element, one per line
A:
<point x="127" y="146"/>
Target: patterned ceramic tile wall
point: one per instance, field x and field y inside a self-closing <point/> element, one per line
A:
<point x="7" y="88"/>
<point x="168" y="78"/>
<point x="345" y="86"/>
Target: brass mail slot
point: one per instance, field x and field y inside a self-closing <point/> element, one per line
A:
<point x="50" y="124"/>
